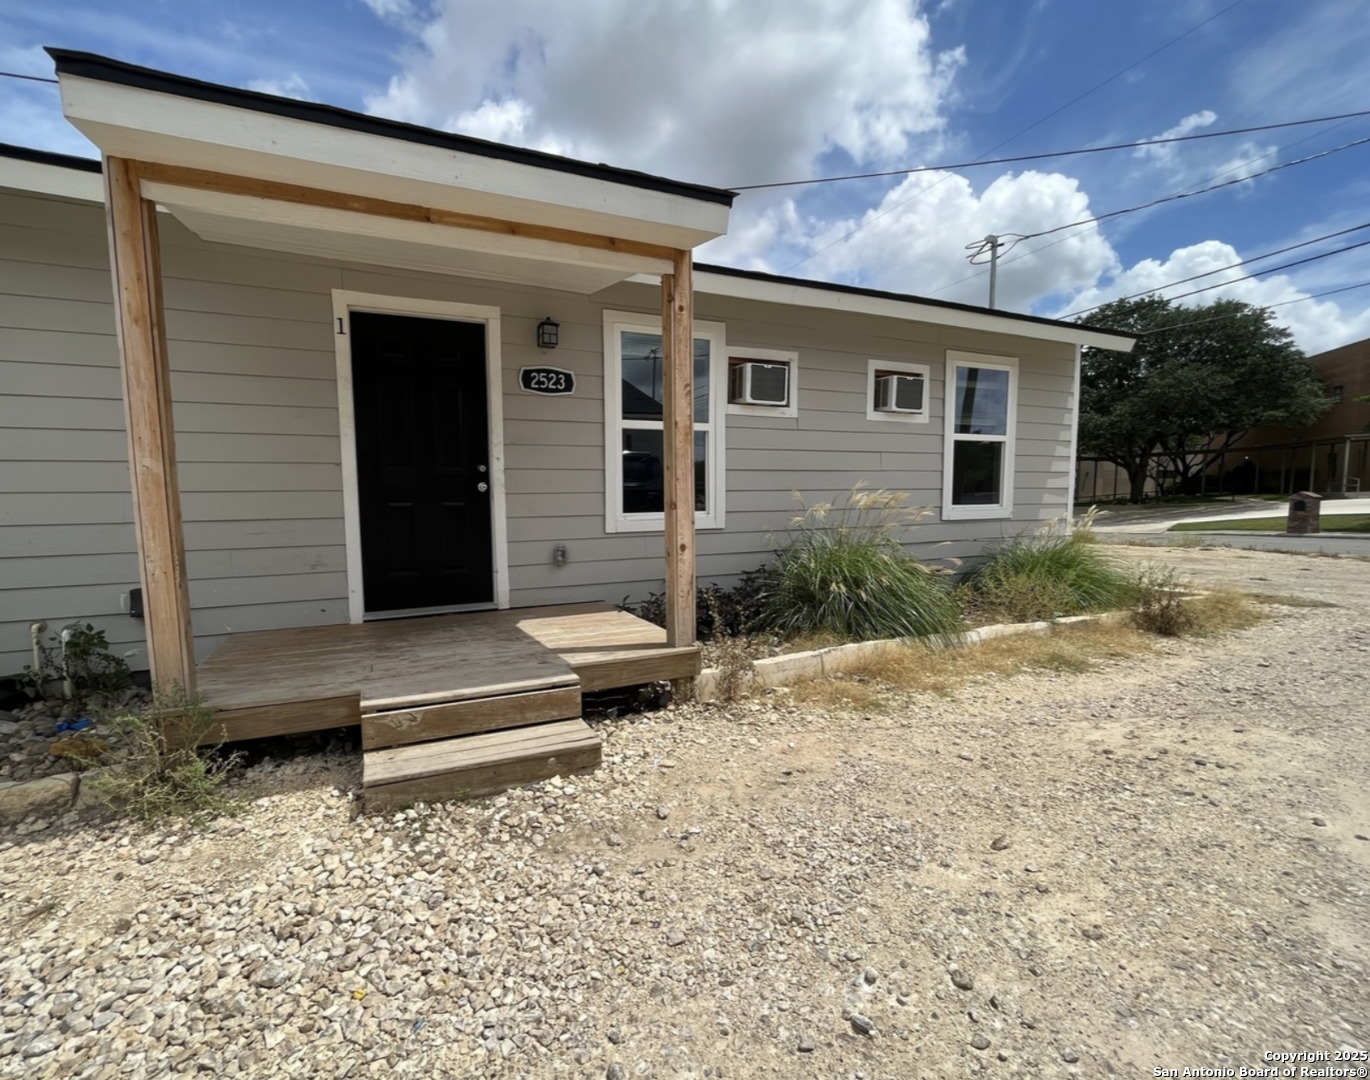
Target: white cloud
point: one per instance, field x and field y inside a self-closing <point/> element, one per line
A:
<point x="1164" y="154"/>
<point x="1246" y="162"/>
<point x="1317" y="325"/>
<point x="730" y="92"/>
<point x="914" y="240"/>
<point x="392" y="10"/>
<point x="292" y="86"/>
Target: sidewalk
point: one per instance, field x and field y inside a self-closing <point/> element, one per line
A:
<point x="1158" y="519"/>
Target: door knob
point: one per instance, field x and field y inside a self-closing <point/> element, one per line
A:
<point x="482" y="486"/>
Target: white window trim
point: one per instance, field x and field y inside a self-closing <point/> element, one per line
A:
<point x="1004" y="509"/>
<point x="615" y="520"/>
<point x="775" y="356"/>
<point x="902" y="368"/>
<point x="344" y="303"/>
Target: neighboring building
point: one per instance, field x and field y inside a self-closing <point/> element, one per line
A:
<point x="334" y="466"/>
<point x="1333" y="453"/>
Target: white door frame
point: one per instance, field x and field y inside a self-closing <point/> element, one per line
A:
<point x="345" y="302"/>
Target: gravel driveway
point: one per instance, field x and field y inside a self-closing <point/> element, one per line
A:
<point x="1160" y="863"/>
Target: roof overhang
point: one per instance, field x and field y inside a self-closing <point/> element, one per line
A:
<point x="768" y="288"/>
<point x="200" y="128"/>
<point x="59" y="175"/>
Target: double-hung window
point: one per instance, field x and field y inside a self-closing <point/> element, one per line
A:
<point x="977" y="470"/>
<point x="634" y="458"/>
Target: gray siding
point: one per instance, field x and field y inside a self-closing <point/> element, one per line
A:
<point x="251" y="345"/>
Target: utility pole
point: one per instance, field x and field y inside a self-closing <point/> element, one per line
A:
<point x="990" y="246"/>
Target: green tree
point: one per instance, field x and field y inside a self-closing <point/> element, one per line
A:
<point x="1197" y="380"/>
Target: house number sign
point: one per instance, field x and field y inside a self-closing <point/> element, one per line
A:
<point x="547" y="380"/>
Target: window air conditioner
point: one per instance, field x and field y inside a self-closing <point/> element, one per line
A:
<point x="899" y="393"/>
<point x="752" y="382"/>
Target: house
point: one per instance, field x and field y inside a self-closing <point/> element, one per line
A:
<point x="289" y="370"/>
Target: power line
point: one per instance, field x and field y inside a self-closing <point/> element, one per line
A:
<point x="1200" y="191"/>
<point x="29" y="78"/>
<point x="1018" y="134"/>
<point x="1230" y="281"/>
<point x="1281" y="303"/>
<point x="1091" y="220"/>
<point x="953" y="166"/>
<point x="1118" y="74"/>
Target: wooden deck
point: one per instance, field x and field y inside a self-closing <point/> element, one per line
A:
<point x="449" y="705"/>
<point x="415" y="673"/>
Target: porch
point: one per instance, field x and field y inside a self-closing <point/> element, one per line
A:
<point x="447" y="704"/>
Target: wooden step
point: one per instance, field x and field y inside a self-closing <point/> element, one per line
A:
<point x="444" y="720"/>
<point x="474" y="765"/>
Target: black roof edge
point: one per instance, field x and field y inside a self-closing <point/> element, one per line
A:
<point x="92" y="66"/>
<point x="47" y="157"/>
<point x="906" y="298"/>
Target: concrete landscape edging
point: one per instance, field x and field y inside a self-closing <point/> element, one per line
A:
<point x="838" y="659"/>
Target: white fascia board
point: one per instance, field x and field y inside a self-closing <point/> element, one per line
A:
<point x="327" y="219"/>
<point x="910" y="310"/>
<point x="152" y="126"/>
<point x="56" y="180"/>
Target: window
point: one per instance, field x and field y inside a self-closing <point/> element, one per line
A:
<point x="977" y="468"/>
<point x="897" y="391"/>
<point x="634" y="454"/>
<point x="763" y="372"/>
<point x="1337" y="394"/>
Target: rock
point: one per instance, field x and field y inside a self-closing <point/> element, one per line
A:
<point x="1070" y="1057"/>
<point x="675" y="938"/>
<point x="806" y="1045"/>
<point x="102" y="1020"/>
<point x="148" y="856"/>
<point x="615" y="1071"/>
<point x="862" y="1025"/>
<point x="980" y="1041"/>
<point x="1033" y="868"/>
<point x="1361" y="836"/>
<point x="962" y="980"/>
<point x="272" y="976"/>
<point x="999" y="843"/>
<point x="43" y="1044"/>
<point x="663" y="812"/>
<point x="614" y="1036"/>
<point x="1093" y="933"/>
<point x="1319" y="822"/>
<point x="19" y="798"/>
<point x="869" y="977"/>
<point x="614" y="839"/>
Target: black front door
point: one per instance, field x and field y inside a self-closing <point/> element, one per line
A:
<point x="422" y="461"/>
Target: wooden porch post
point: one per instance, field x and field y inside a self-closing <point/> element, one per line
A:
<point x="677" y="340"/>
<point x="136" y="270"/>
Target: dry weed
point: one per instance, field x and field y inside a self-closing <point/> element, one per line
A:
<point x="1223" y="610"/>
<point x="1074" y="649"/>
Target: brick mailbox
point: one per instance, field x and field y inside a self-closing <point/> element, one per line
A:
<point x="1304" y="514"/>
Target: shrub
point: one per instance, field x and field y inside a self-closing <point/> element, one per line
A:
<point x="719" y="612"/>
<point x="79" y="657"/>
<point x="1049" y="574"/>
<point x="160" y="771"/>
<point x="1161" y="608"/>
<point x="844" y="571"/>
<point x="1166" y="608"/>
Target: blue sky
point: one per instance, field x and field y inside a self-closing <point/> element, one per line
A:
<point x="755" y="91"/>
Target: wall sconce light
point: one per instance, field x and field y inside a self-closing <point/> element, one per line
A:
<point x="547" y="333"/>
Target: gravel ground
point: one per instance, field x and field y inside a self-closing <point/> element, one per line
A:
<point x="1159" y="863"/>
